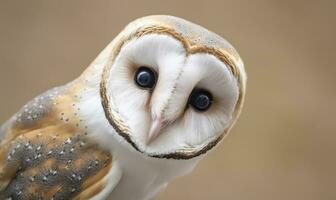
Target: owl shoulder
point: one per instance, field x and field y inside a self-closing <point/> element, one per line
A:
<point x="45" y="148"/>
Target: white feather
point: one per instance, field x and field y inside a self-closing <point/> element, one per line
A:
<point x="178" y="75"/>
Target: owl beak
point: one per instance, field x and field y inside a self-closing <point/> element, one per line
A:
<point x="154" y="129"/>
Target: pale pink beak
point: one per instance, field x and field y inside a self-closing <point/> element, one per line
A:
<point x="155" y="129"/>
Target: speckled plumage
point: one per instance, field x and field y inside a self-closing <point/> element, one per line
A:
<point x="46" y="153"/>
<point x="87" y="139"/>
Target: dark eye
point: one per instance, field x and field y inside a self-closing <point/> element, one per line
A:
<point x="145" y="78"/>
<point x="200" y="99"/>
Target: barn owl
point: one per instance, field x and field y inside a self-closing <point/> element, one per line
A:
<point x="162" y="94"/>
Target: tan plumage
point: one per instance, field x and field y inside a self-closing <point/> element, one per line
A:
<point x="47" y="151"/>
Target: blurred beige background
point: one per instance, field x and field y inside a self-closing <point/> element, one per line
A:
<point x="283" y="146"/>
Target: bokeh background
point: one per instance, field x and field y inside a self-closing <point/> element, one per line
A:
<point x="283" y="146"/>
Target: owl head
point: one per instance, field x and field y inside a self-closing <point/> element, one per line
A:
<point x="170" y="88"/>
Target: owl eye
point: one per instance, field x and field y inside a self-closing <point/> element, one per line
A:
<point x="200" y="99"/>
<point x="145" y="78"/>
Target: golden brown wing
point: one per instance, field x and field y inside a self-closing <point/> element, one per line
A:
<point x="45" y="152"/>
<point x="42" y="164"/>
